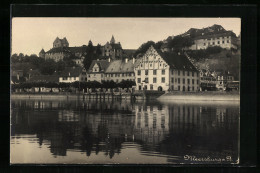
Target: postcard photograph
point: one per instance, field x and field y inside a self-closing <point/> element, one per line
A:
<point x="100" y="90"/>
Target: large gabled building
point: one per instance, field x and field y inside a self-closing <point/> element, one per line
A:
<point x="96" y="71"/>
<point x="164" y="71"/>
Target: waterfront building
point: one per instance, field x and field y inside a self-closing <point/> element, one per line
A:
<point x="97" y="70"/>
<point x="223" y="79"/>
<point x="119" y="70"/>
<point x="73" y="74"/>
<point x="167" y="71"/>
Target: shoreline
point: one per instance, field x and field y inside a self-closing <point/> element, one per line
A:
<point x="200" y="96"/>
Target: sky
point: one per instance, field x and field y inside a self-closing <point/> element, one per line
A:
<point x="30" y="35"/>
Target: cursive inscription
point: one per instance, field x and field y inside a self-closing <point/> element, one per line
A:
<point x="207" y="159"/>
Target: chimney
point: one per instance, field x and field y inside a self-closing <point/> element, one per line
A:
<point x="126" y="60"/>
<point x="133" y="60"/>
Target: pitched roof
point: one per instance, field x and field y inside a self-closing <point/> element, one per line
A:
<point x="116" y="46"/>
<point x="103" y="64"/>
<point x="71" y="72"/>
<point x="42" y="51"/>
<point x="44" y="78"/>
<point x="215" y="34"/>
<point x="119" y="66"/>
<point x="80" y="49"/>
<point x="175" y="61"/>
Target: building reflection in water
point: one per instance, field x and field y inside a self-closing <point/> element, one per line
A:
<point x="102" y="127"/>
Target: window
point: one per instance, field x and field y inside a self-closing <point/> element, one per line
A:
<point x="151" y="87"/>
<point x="64" y="78"/>
<point x="111" y="75"/>
<point x="223" y="42"/>
<point x="183" y="72"/>
<point x="163" y="72"/>
<point x="208" y="43"/>
<point x="150" y="65"/>
<point x="123" y="74"/>
<point x="139" y="89"/>
<point x="154" y="80"/>
<point x="179" y="72"/>
<point x="172" y="72"/>
<point x="192" y="81"/>
<point x="163" y="79"/>
<point x="74" y="78"/>
<point x="183" y="89"/>
<point x="204" y="44"/>
<point x="179" y="80"/>
<point x="175" y="80"/>
<point x="188" y="81"/>
<point x="197" y="81"/>
<point x="213" y="43"/>
<point x="227" y="41"/>
<point x="218" y="42"/>
<point x="179" y="88"/>
<point x="193" y="88"/>
<point x="188" y="73"/>
<point x="146" y="72"/>
<point x="183" y="81"/>
<point x="139" y="72"/>
<point x="192" y="73"/>
<point x="138" y="80"/>
<point x="172" y="79"/>
<point x="154" y="72"/>
<point x="146" y="80"/>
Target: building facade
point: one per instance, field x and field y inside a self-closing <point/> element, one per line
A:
<point x="166" y="71"/>
<point x="119" y="70"/>
<point x="73" y="74"/>
<point x="226" y="40"/>
<point x="97" y="70"/>
<point x="112" y="49"/>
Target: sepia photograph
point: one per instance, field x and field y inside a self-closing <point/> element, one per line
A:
<point x="125" y="90"/>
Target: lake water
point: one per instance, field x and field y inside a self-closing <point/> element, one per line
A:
<point x="111" y="132"/>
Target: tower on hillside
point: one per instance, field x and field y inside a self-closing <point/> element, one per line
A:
<point x="42" y="53"/>
<point x="112" y="41"/>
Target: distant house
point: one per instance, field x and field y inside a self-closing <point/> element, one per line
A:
<point x="207" y="80"/>
<point x="158" y="70"/>
<point x="17" y="76"/>
<point x="97" y="70"/>
<point x="223" y="79"/>
<point x="73" y="74"/>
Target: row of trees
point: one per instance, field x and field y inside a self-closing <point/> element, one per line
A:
<point x="78" y="85"/>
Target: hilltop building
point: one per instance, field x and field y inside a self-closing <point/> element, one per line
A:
<point x="158" y="70"/>
<point x="112" y="49"/>
<point x="61" y="50"/>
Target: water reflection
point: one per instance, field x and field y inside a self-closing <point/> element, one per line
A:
<point x="120" y="129"/>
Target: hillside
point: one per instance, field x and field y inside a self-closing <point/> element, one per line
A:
<point x="226" y="60"/>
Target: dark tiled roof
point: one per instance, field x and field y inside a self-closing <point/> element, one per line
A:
<point x="71" y="72"/>
<point x="103" y="64"/>
<point x="116" y="46"/>
<point x="216" y="34"/>
<point x="58" y="49"/>
<point x="80" y="49"/>
<point x="44" y="78"/>
<point x="180" y="62"/>
<point x="119" y="66"/>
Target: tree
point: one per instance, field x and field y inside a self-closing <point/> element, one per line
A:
<point x="98" y="50"/>
<point x="90" y="55"/>
<point x="144" y="47"/>
<point x="48" y="67"/>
